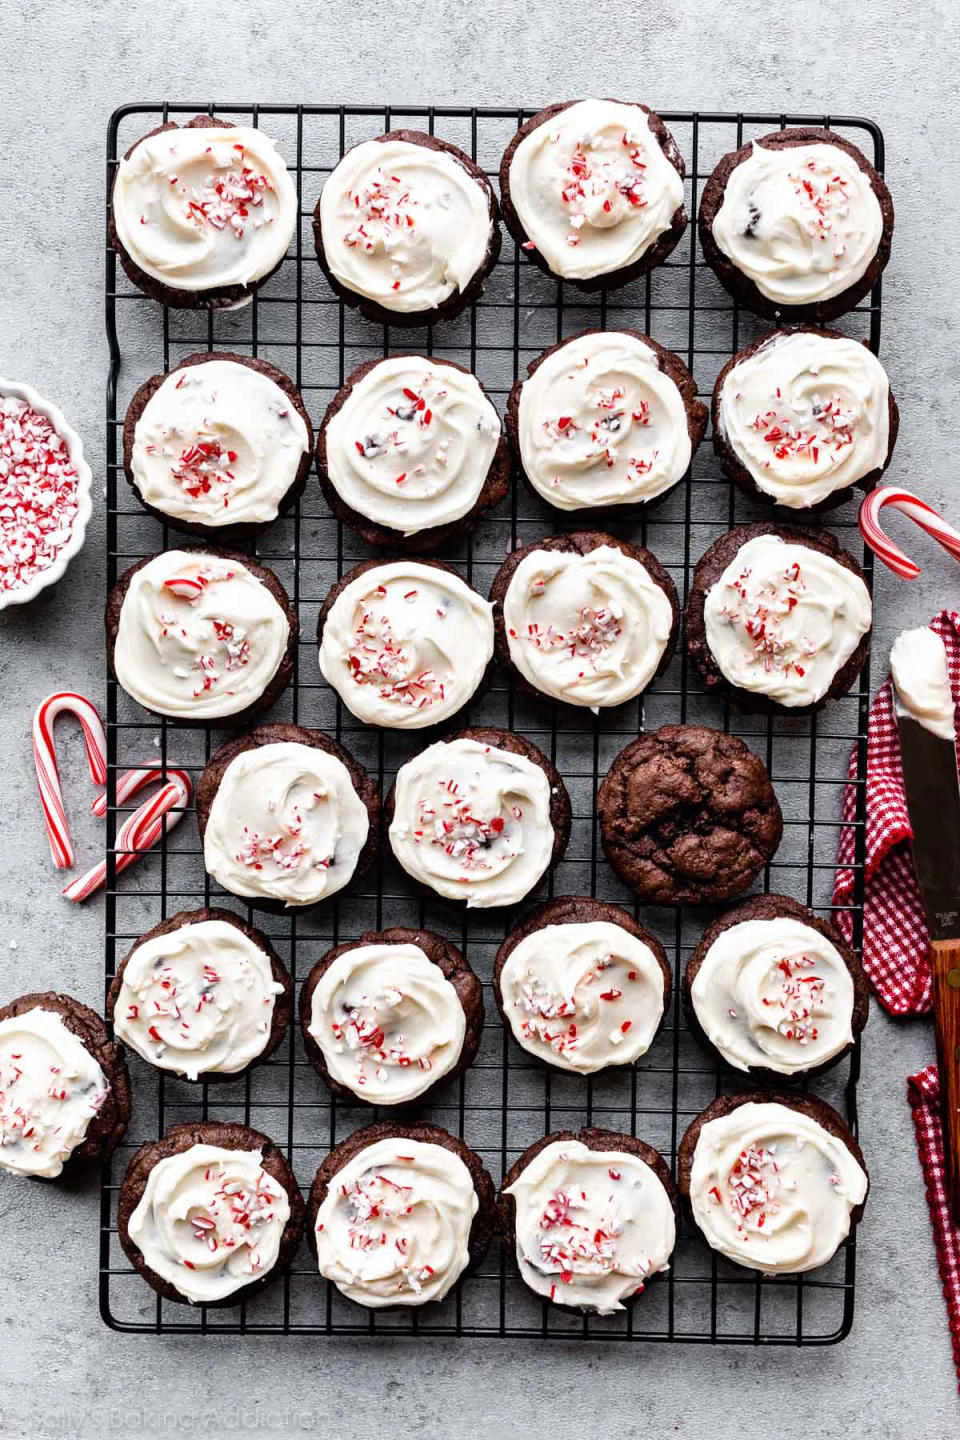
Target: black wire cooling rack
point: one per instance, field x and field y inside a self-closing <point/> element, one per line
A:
<point x="506" y="1100"/>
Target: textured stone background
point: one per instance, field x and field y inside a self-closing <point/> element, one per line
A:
<point x="63" y="68"/>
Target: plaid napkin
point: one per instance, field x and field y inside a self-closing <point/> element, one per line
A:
<point x="923" y="1092"/>
<point x="896" y="942"/>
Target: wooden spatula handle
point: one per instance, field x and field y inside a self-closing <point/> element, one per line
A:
<point x="945" y="960"/>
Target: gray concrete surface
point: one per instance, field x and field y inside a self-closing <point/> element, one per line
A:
<point x="63" y="67"/>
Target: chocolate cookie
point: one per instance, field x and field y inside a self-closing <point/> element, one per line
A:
<point x="385" y="1031"/>
<point x="229" y="532"/>
<point x="804" y="1016"/>
<point x="205" y="993"/>
<point x="386" y="209"/>
<point x="594" y="642"/>
<point x="233" y="1222"/>
<point x="740" y="285"/>
<point x="765" y="619"/>
<point x="688" y="816"/>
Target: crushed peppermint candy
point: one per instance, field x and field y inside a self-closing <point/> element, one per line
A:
<point x="760" y="610"/>
<point x="572" y="1242"/>
<point x="752" y="1187"/>
<point x="452" y="827"/>
<point x="39" y="496"/>
<point x="228" y="198"/>
<point x="379" y="659"/>
<point x="798" y="996"/>
<point x="232" y="1219"/>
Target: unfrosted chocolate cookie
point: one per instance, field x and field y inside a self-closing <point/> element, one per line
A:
<point x="688" y="816"/>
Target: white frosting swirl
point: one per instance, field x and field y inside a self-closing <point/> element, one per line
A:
<point x="51" y="1087"/>
<point x="405" y="645"/>
<point x="411" y="445"/>
<point x="204" y="208"/>
<point x="210" y="1221"/>
<point x="403" y="224"/>
<point x="599" y="423"/>
<point x="593" y="189"/>
<point x="801" y="222"/>
<point x="394" y="1227"/>
<point x="197" y="1001"/>
<point x="583" y="995"/>
<point x="285" y="824"/>
<point x="592" y="1225"/>
<point x="586" y="629"/>
<point x="807" y="415"/>
<point x="388" y="1021"/>
<point x="199" y="636"/>
<point x="473" y="822"/>
<point x="218" y="444"/>
<point x="772" y="1189"/>
<point x="783" y="619"/>
<point x="774" y="994"/>
<point x="921" y="681"/>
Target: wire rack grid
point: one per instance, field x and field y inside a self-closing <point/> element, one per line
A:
<point x="506" y="1100"/>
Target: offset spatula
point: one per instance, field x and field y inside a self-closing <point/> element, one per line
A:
<point x="933" y="800"/>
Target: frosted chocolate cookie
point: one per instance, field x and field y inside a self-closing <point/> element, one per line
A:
<point x="220" y="445"/>
<point x="398" y="1214"/>
<point x="202" y="995"/>
<point x="478" y="818"/>
<point x="405" y="644"/>
<point x="774" y="990"/>
<point x="287" y="817"/>
<point x="797" y="225"/>
<point x="775" y="1182"/>
<point x="603" y="420"/>
<point x="780" y="617"/>
<point x="202" y="214"/>
<point x="209" y="1214"/>
<point x="581" y="985"/>
<point x="592" y="190"/>
<point x="801" y="416"/>
<point x="64" y="1087"/>
<point x="584" y="619"/>
<point x="590" y="1215"/>
<point x="688" y="816"/>
<point x="411" y="453"/>
<point x="406" y="229"/>
<point x="388" y="1017"/>
<point x="201" y="634"/>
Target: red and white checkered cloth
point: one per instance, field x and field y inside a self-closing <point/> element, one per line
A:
<point x="896" y="942"/>
<point x="923" y="1092"/>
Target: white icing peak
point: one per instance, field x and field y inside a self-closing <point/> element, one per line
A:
<point x="601" y="424"/>
<point x="285" y="824"/>
<point x="405" y="645"/>
<point x="807" y="415"/>
<point x="583" y="995"/>
<point x="473" y="822"/>
<point x="197" y="1001"/>
<point x="404" y="224"/>
<point x="783" y="619"/>
<point x="218" y="444"/>
<point x="592" y="1225"/>
<point x="772" y="1189"/>
<point x="389" y="1022"/>
<point x="774" y="994"/>
<point x="586" y="629"/>
<point x="802" y="222"/>
<point x="51" y="1087"/>
<point x="411" y="445"/>
<point x="210" y="1221"/>
<point x="199" y="636"/>
<point x="921" y="681"/>
<point x="204" y="208"/>
<point x="593" y="189"/>
<point x="394" y="1227"/>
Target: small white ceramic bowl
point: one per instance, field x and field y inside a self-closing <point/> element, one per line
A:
<point x="78" y="532"/>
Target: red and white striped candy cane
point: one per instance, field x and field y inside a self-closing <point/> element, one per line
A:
<point x="920" y="512"/>
<point x="64" y="702"/>
<point x="155" y="817"/>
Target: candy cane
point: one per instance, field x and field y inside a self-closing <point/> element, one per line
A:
<point x="155" y="817"/>
<point x="920" y="512"/>
<point x="48" y="775"/>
